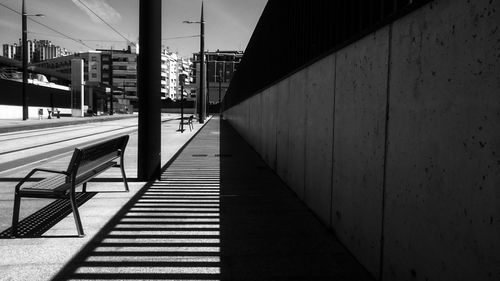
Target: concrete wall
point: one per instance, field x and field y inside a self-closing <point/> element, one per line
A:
<point x="442" y="186"/>
<point x="359" y="146"/>
<point x="38" y="97"/>
<point x="394" y="142"/>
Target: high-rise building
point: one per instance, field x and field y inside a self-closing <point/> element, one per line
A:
<point x="38" y="50"/>
<point x="169" y="69"/>
<point x="9" y="51"/>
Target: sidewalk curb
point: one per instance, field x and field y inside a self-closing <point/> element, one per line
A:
<point x="48" y="124"/>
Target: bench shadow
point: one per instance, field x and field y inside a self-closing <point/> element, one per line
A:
<point x="35" y="225"/>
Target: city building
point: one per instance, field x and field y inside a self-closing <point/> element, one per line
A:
<point x="38" y="50"/>
<point x="169" y="75"/>
<point x="185" y="67"/>
<point x="10" y="51"/>
<point x="220" y="69"/>
<point x="117" y="70"/>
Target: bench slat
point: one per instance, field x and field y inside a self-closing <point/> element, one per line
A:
<point x="54" y="184"/>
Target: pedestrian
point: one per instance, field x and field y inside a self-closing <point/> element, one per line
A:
<point x="90" y="112"/>
<point x="40" y="113"/>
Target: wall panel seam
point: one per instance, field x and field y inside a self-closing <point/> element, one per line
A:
<point x="386" y="144"/>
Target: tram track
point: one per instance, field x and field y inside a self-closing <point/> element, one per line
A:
<point x="65" y="140"/>
<point x="54" y="153"/>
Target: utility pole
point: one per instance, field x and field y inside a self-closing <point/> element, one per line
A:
<point x="220" y="87"/>
<point x="202" y="112"/>
<point x="25" y="62"/>
<point x="182" y="79"/>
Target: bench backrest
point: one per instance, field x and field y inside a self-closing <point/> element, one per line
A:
<point x="87" y="158"/>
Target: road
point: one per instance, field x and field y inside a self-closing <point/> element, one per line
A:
<point x="18" y="149"/>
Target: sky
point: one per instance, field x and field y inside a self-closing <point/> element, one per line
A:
<point x="229" y="24"/>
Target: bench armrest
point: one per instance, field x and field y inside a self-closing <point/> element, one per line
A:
<point x="38" y="170"/>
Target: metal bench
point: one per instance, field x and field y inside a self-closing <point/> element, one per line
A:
<point x="86" y="163"/>
<point x="187" y="121"/>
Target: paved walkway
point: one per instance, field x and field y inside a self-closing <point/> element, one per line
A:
<point x="49" y="235"/>
<point x="218" y="213"/>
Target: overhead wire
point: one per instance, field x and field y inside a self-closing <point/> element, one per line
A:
<point x="81" y="41"/>
<point x="114" y="41"/>
<point x="48" y="27"/>
<point x="180" y="37"/>
<point x="104" y="21"/>
<point x="86" y="40"/>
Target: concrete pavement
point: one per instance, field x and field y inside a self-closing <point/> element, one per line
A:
<point x="218" y="213"/>
<point x="54" y="239"/>
<point x="13" y="125"/>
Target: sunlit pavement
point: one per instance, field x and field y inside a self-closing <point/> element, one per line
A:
<point x="218" y="213"/>
<point x="13" y="125"/>
<point x="50" y="240"/>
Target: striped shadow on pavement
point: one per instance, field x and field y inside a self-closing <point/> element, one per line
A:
<point x="169" y="231"/>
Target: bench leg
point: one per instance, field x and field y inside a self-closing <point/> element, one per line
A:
<point x="76" y="215"/>
<point x="84" y="187"/>
<point x="15" y="215"/>
<point x="122" y="169"/>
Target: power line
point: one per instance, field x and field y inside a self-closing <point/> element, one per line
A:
<point x="104" y="21"/>
<point x="78" y="41"/>
<point x="180" y="37"/>
<point x="113" y="41"/>
<point x="46" y="26"/>
<point x="85" y="40"/>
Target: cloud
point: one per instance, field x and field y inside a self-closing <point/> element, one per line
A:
<point x="101" y="8"/>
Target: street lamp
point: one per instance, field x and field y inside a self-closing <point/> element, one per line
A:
<point x="220" y="85"/>
<point x="201" y="113"/>
<point x="182" y="80"/>
<point x="25" y="58"/>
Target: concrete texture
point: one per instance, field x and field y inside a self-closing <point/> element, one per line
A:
<point x="255" y="123"/>
<point x="42" y="256"/>
<point x="319" y="137"/>
<point x="420" y="200"/>
<point x="359" y="145"/>
<point x="442" y="212"/>
<point x="269" y="126"/>
<point x="283" y="126"/>
<point x="296" y="119"/>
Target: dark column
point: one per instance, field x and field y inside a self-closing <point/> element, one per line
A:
<point x="202" y="112"/>
<point x="149" y="85"/>
<point x="25" y="62"/>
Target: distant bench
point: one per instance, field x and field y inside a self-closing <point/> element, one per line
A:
<point x="187" y="121"/>
<point x="86" y="163"/>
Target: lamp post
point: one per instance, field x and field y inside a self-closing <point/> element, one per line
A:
<point x="182" y="80"/>
<point x="220" y="86"/>
<point x="24" y="47"/>
<point x="201" y="105"/>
